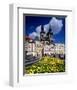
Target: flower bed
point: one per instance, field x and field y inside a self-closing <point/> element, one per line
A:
<point x="46" y="65"/>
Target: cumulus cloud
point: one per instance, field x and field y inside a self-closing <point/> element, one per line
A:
<point x="38" y="29"/>
<point x="46" y="28"/>
<point x="33" y="35"/>
<point x="55" y="24"/>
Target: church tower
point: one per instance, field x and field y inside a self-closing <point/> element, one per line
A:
<point x="49" y="36"/>
<point x="42" y="34"/>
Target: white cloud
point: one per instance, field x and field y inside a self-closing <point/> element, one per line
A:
<point x="46" y="28"/>
<point x="33" y="35"/>
<point x="56" y="25"/>
<point x="38" y="29"/>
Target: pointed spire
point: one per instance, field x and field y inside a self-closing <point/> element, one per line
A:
<point x="42" y="28"/>
<point x="50" y="30"/>
<point x="42" y="33"/>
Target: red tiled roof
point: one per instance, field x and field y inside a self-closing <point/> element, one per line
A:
<point x="28" y="38"/>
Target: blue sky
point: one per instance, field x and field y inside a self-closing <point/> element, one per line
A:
<point x="32" y="26"/>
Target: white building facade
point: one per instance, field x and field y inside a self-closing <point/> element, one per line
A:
<point x="36" y="48"/>
<point x="58" y="48"/>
